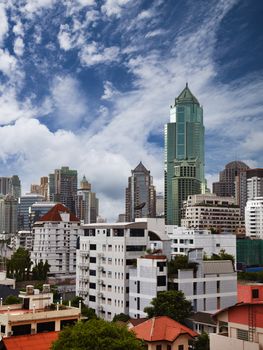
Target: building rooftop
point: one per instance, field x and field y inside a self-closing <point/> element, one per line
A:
<point x="186" y="96"/>
<point x="41" y="341"/>
<point x="54" y="214"/>
<point x="218" y="266"/>
<point x="161" y="328"/>
<point x="202" y="317"/>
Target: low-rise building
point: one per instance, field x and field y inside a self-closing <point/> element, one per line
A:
<point x="36" y="314"/>
<point x="249" y="292"/>
<point x="146" y="279"/>
<point x="210" y="212"/>
<point x="184" y="239"/>
<point x="164" y="333"/>
<point x="105" y="256"/>
<point x="239" y="326"/>
<point x="210" y="285"/>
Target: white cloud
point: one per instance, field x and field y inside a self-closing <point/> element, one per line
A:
<point x="7" y="62"/>
<point x="109" y="91"/>
<point x="19" y="46"/>
<point x="155" y="33"/>
<point x="92" y="54"/>
<point x="33" y="6"/>
<point x="114" y="7"/>
<point x="64" y="38"/>
<point x="145" y="14"/>
<point x="3" y="23"/>
<point x="18" y="29"/>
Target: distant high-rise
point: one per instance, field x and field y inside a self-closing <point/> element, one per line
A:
<point x="63" y="186"/>
<point x="140" y="195"/>
<point x="24" y="205"/>
<point x="10" y="185"/>
<point x="184" y="154"/>
<point x="225" y="187"/>
<point x="41" y="188"/>
<point x="8" y="214"/>
<point x="87" y="205"/>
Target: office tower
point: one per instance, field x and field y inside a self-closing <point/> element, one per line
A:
<point x="140" y="195"/>
<point x="159" y="205"/>
<point x="184" y="154"/>
<point x="87" y="205"/>
<point x="248" y="185"/>
<point x="10" y="185"/>
<point x="55" y="240"/>
<point x="24" y="204"/>
<point x="63" y="186"/>
<point x="211" y="212"/>
<point x="34" y="188"/>
<point x="225" y="187"/>
<point x="254" y="217"/>
<point x="41" y="188"/>
<point x="8" y="214"/>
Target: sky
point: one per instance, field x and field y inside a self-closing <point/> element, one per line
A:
<point x="88" y="84"/>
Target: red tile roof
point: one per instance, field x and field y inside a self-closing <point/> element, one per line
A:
<point x="41" y="341"/>
<point x="161" y="328"/>
<point x="54" y="214"/>
<point x="136" y="321"/>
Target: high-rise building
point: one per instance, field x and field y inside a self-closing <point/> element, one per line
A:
<point x="55" y="239"/>
<point x="140" y="195"/>
<point x="225" y="187"/>
<point x="249" y="185"/>
<point x="184" y="154"/>
<point x="87" y="205"/>
<point x="63" y="186"/>
<point x="159" y="205"/>
<point x="24" y="204"/>
<point x="8" y="214"/>
<point x="254" y="217"/>
<point x="10" y="185"/>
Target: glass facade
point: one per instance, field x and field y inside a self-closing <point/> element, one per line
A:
<point x="184" y="154"/>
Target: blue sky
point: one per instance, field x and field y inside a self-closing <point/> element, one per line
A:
<point x="89" y="83"/>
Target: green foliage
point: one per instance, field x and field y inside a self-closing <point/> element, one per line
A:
<point x="11" y="299"/>
<point x="202" y="342"/>
<point x="121" y="317"/>
<point x="85" y="311"/>
<point x="19" y="265"/>
<point x="97" y="335"/>
<point x="40" y="271"/>
<point x="179" y="262"/>
<point x="172" y="304"/>
<point x="251" y="276"/>
<point x="221" y="256"/>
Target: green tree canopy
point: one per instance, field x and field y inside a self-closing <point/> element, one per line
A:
<point x="11" y="299"/>
<point x="85" y="310"/>
<point x="179" y="262"/>
<point x="202" y="342"/>
<point x="40" y="271"/>
<point x="121" y="317"/>
<point x="97" y="335"/>
<point x="221" y="256"/>
<point x="19" y="265"/>
<point x="172" y="304"/>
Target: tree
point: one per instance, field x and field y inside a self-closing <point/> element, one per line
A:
<point x="221" y="256"/>
<point x="97" y="335"/>
<point x="40" y="271"/>
<point x="11" y="299"/>
<point x="19" y="265"/>
<point x="202" y="342"/>
<point x="121" y="317"/>
<point x="172" y="304"/>
<point x="85" y="311"/>
<point x="179" y="262"/>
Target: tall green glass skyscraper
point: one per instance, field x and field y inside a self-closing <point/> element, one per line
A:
<point x="184" y="154"/>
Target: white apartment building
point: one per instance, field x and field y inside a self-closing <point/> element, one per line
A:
<point x="208" y="211"/>
<point x="211" y="286"/>
<point x="105" y="255"/>
<point x="55" y="240"/>
<point x="183" y="239"/>
<point x="146" y="280"/>
<point x="254" y="217"/>
<point x="23" y="239"/>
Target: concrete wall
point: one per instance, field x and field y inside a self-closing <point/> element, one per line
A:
<point x="219" y="342"/>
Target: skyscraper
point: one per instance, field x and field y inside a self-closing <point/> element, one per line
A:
<point x="8" y="214"/>
<point x="63" y="186"/>
<point x="10" y="185"/>
<point x="225" y="187"/>
<point x="87" y="205"/>
<point x="140" y="195"/>
<point x="184" y="154"/>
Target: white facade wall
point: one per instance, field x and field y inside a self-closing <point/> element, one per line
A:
<point x="104" y="258"/>
<point x="254" y="187"/>
<point x="254" y="217"/>
<point x="56" y="242"/>
<point x="183" y="239"/>
<point x="146" y="280"/>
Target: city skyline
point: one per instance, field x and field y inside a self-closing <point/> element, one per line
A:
<point x="73" y="95"/>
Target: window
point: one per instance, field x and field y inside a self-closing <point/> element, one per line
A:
<point x="92" y="259"/>
<point x="169" y="347"/>
<point x="92" y="247"/>
<point x="92" y="298"/>
<point x="92" y="285"/>
<point x="136" y="232"/>
<point x="161" y="281"/>
<point x="92" y="272"/>
<point x="135" y="248"/>
<point x="158" y="347"/>
<point x="255" y="293"/>
<point x="242" y="334"/>
<point x="180" y="347"/>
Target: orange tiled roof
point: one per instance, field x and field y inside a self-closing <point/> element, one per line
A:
<point x="41" y="341"/>
<point x="54" y="214"/>
<point x="161" y="328"/>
